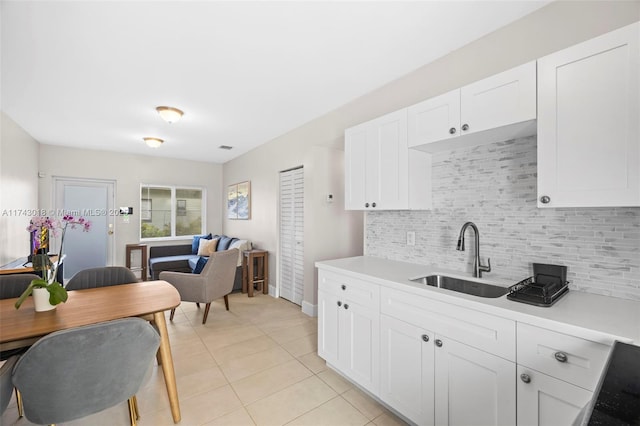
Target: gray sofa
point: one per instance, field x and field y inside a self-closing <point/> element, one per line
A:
<point x="184" y="257"/>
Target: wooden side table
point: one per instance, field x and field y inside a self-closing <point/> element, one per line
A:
<point x="142" y="269"/>
<point x="255" y="271"/>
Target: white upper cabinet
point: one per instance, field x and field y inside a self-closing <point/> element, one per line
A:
<point x="379" y="172"/>
<point x="589" y="123"/>
<point x="497" y="108"/>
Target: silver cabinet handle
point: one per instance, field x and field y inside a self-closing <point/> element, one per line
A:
<point x="465" y="127"/>
<point x="560" y="356"/>
<point x="452" y="131"/>
<point x="339" y="303"/>
<point x="545" y="199"/>
<point x="373" y="204"/>
<point x="425" y="337"/>
<point x="366" y="204"/>
<point x="344" y="287"/>
<point x="525" y="378"/>
<point x="346" y="306"/>
<point x="439" y="343"/>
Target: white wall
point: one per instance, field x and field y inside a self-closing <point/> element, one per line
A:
<point x="18" y="188"/>
<point x="129" y="171"/>
<point x="340" y="231"/>
<point x="558" y="25"/>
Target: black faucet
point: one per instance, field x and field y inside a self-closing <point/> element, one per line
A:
<point x="478" y="269"/>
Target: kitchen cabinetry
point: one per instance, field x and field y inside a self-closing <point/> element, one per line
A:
<point x="545" y="400"/>
<point x="470" y="375"/>
<point x="379" y="172"/>
<point x="588" y="123"/>
<point x="494" y="109"/>
<point x="407" y="363"/>
<point x="472" y="386"/>
<point x="349" y="328"/>
<point x="429" y="376"/>
<point x="557" y="375"/>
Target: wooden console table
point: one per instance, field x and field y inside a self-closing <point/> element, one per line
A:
<point x="255" y="270"/>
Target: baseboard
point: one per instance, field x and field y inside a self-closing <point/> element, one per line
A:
<point x="309" y="309"/>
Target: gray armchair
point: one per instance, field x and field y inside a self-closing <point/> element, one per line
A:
<point x="73" y="373"/>
<point x="101" y="277"/>
<point x="215" y="281"/>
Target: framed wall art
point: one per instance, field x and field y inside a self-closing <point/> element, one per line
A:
<point x="239" y="201"/>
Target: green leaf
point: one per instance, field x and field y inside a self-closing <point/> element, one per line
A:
<point x="57" y="293"/>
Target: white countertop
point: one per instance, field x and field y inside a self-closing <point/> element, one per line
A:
<point x="590" y="316"/>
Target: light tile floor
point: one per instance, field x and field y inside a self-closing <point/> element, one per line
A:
<point x="256" y="364"/>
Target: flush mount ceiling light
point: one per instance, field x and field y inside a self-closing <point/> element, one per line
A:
<point x="153" y="142"/>
<point x="169" y="114"/>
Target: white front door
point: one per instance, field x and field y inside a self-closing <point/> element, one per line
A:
<point x="291" y="254"/>
<point x="94" y="200"/>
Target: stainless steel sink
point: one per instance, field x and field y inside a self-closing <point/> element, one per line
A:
<point x="463" y="286"/>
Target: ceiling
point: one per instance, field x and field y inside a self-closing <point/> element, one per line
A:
<point x="90" y="74"/>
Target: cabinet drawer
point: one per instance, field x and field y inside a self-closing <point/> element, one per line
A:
<point x="483" y="331"/>
<point x="362" y="292"/>
<point x="569" y="358"/>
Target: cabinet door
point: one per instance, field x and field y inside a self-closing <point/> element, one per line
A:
<point x="435" y="119"/>
<point x="406" y="370"/>
<point x="359" y="354"/>
<point x="390" y="179"/>
<point x="545" y="400"/>
<point x="328" y="331"/>
<point x="588" y="123"/>
<point x="355" y="158"/>
<point x="500" y="100"/>
<point x="472" y="387"/>
<point x="377" y="164"/>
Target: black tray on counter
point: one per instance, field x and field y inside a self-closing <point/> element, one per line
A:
<point x="528" y="291"/>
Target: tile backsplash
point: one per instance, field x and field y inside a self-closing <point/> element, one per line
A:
<point x="494" y="186"/>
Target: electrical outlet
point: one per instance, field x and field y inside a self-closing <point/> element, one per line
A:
<point x="411" y="238"/>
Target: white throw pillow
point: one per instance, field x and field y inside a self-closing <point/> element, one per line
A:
<point x="241" y="245"/>
<point x="207" y="247"/>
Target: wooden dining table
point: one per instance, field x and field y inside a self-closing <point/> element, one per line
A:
<point x="149" y="300"/>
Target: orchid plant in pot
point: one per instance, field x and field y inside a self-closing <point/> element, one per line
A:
<point x="41" y="262"/>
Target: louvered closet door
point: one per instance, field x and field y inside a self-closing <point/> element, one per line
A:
<point x="291" y="235"/>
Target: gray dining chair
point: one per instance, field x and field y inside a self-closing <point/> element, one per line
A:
<point x="215" y="281"/>
<point x="6" y="386"/>
<point x="101" y="277"/>
<point x="77" y="372"/>
<point x="13" y="285"/>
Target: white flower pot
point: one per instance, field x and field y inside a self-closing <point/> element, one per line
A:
<point x="41" y="300"/>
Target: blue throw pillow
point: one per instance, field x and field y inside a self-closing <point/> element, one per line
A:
<point x="196" y="242"/>
<point x="224" y="242"/>
<point x="200" y="265"/>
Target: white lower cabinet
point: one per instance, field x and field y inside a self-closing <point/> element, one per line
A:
<point x="349" y="328"/>
<point x="557" y="374"/>
<point x="432" y="379"/>
<point x="443" y="364"/>
<point x="546" y="401"/>
<point x="472" y="387"/>
<point x="407" y="369"/>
